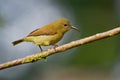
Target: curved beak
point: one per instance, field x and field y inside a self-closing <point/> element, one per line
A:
<point x="75" y="28"/>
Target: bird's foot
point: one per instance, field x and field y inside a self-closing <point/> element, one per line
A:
<point x="55" y="46"/>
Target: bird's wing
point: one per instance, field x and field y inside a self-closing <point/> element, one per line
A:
<point x="43" y="31"/>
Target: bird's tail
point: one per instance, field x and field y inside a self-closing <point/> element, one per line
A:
<point x="17" y="42"/>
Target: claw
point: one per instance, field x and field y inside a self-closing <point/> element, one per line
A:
<point x="55" y="46"/>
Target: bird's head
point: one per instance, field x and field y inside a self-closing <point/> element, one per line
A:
<point x="63" y="25"/>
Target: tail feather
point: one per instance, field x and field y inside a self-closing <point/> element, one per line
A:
<point x="17" y="42"/>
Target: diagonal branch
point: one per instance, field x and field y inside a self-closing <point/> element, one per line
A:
<point x="39" y="56"/>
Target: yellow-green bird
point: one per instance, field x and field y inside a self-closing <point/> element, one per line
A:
<point x="49" y="34"/>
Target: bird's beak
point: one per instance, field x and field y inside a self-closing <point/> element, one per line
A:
<point x="75" y="28"/>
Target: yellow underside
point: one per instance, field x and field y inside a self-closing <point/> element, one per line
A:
<point x="44" y="40"/>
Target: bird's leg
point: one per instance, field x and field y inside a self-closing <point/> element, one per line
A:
<point x="40" y="48"/>
<point x="42" y="51"/>
<point x="55" y="46"/>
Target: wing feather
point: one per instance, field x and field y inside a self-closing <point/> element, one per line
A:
<point x="43" y="31"/>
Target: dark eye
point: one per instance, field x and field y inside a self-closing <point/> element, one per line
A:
<point x="65" y="25"/>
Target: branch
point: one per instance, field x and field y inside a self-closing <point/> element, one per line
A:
<point x="39" y="56"/>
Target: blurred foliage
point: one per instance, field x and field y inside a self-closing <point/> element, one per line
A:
<point x="93" y="16"/>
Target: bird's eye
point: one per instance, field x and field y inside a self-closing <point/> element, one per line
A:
<point x="65" y="24"/>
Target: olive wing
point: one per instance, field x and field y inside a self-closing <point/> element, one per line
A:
<point x="47" y="30"/>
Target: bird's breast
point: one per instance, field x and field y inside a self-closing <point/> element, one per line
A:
<point x="44" y="40"/>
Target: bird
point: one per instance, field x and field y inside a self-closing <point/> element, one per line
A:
<point x="49" y="34"/>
